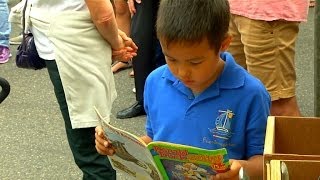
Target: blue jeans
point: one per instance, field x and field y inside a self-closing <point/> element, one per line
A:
<point x="5" y="27"/>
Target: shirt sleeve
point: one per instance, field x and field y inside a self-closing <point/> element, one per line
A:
<point x="146" y="102"/>
<point x="256" y="124"/>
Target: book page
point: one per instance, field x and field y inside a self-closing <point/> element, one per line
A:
<point x="132" y="157"/>
<point x="185" y="162"/>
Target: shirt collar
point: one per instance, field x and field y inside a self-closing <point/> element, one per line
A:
<point x="168" y="75"/>
<point x="233" y="75"/>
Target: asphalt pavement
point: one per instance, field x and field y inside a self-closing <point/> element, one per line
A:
<point x="33" y="143"/>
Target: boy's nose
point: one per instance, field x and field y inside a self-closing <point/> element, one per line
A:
<point x="183" y="73"/>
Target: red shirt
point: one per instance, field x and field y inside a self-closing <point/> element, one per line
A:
<point x="269" y="10"/>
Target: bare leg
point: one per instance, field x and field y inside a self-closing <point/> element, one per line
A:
<point x="123" y="16"/>
<point x="120" y="65"/>
<point x="285" y="107"/>
<point x="123" y="19"/>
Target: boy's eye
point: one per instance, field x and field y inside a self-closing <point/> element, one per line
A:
<point x="171" y="60"/>
<point x="196" y="62"/>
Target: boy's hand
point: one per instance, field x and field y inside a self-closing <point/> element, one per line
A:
<point x="103" y="145"/>
<point x="232" y="174"/>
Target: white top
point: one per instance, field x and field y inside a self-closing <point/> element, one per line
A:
<point x="63" y="31"/>
<point x="59" y="5"/>
<point x="44" y="45"/>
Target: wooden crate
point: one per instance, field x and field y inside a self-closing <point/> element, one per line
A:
<point x="292" y="138"/>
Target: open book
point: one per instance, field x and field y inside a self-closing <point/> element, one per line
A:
<point x="161" y="160"/>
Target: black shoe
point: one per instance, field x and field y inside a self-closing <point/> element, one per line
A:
<point x="133" y="111"/>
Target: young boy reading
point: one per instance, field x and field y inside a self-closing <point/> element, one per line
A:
<point x="202" y="97"/>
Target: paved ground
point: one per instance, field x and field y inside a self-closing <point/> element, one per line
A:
<point x="33" y="142"/>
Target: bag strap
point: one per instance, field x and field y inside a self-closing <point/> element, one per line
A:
<point x="24" y="21"/>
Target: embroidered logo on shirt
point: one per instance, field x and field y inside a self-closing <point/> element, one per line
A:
<point x="223" y="125"/>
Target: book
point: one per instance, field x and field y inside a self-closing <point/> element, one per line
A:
<point x="278" y="170"/>
<point x="176" y="161"/>
<point x="161" y="160"/>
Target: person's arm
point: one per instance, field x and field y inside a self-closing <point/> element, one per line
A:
<point x="103" y="17"/>
<point x="253" y="166"/>
<point x="127" y="53"/>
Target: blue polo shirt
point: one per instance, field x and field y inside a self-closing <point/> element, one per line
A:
<point x="231" y="113"/>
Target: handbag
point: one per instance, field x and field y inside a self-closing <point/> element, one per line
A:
<point x="5" y="86"/>
<point x="27" y="56"/>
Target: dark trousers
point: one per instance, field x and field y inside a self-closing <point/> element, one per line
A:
<point x="143" y="34"/>
<point x="81" y="141"/>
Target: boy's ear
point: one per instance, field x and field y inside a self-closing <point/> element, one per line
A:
<point x="225" y="43"/>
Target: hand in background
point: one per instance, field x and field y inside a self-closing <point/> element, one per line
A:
<point x="232" y="174"/>
<point x="103" y="145"/>
<point x="132" y="8"/>
<point x="128" y="50"/>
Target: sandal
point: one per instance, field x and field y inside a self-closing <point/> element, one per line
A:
<point x="118" y="65"/>
<point x="131" y="74"/>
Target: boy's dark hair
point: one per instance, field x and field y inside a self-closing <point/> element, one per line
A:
<point x="193" y="20"/>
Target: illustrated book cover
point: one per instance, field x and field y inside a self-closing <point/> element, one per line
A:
<point x="161" y="160"/>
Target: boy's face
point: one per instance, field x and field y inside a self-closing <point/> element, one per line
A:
<point x="196" y="65"/>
